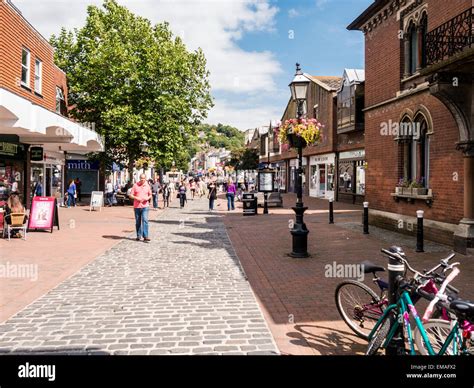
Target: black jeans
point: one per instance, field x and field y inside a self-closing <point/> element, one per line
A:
<point x="211" y="203"/>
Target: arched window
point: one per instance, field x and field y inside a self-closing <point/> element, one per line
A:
<point x="414" y="143"/>
<point x="423" y="31"/>
<point x="413" y="52"/>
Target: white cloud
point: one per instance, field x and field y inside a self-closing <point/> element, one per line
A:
<point x="243" y="117"/>
<point x="214" y="25"/>
<point x="292" y="13"/>
<point x="321" y="3"/>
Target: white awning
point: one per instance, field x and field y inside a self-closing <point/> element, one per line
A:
<point x="37" y="125"/>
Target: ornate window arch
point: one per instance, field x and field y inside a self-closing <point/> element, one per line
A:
<point x="414" y="146"/>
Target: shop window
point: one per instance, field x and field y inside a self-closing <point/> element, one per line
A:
<point x="346" y="173"/>
<point x="25" y="67"/>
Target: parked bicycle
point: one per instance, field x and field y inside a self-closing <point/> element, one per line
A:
<point x="398" y="315"/>
<point x="361" y="307"/>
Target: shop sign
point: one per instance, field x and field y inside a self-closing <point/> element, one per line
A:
<point x="11" y="149"/>
<point x="36" y="154"/>
<point x="352" y="154"/>
<point x="86" y="165"/>
<point x="43" y="214"/>
<point x="322" y="159"/>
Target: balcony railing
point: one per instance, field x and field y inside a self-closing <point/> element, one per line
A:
<point x="450" y="38"/>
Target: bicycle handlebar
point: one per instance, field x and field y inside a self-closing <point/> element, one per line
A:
<point x="441" y="294"/>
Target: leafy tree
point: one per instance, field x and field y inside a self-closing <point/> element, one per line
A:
<point x="244" y="159"/>
<point x="136" y="82"/>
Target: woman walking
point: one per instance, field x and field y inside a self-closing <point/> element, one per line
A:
<point x="166" y="195"/>
<point x="71" y="194"/>
<point x="231" y="191"/>
<point x="212" y="195"/>
<point x="182" y="194"/>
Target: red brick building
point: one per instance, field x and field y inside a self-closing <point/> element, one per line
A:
<point x="319" y="161"/>
<point x="418" y="116"/>
<point x="33" y="112"/>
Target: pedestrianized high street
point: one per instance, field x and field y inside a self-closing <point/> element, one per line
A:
<point x="185" y="292"/>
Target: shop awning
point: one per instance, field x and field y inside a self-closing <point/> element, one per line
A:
<point x="37" y="125"/>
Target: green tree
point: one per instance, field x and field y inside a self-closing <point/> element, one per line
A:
<point x="136" y="82"/>
<point x="244" y="159"/>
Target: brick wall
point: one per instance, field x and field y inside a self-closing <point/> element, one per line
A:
<point x="382" y="155"/>
<point x="16" y="33"/>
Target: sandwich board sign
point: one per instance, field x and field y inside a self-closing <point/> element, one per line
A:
<point x="43" y="214"/>
<point x="97" y="200"/>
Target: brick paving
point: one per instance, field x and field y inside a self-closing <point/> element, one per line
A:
<point x="295" y="295"/>
<point x="183" y="293"/>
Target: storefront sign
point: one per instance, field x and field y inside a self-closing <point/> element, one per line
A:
<point x="352" y="154"/>
<point x="36" y="154"/>
<point x="82" y="165"/>
<point x="322" y="159"/>
<point x="12" y="150"/>
<point x="44" y="213"/>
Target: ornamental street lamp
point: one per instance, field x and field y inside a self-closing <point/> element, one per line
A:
<point x="144" y="147"/>
<point x="299" y="88"/>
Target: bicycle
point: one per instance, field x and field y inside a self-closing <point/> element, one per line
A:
<point x="364" y="307"/>
<point x="398" y="314"/>
<point x="456" y="331"/>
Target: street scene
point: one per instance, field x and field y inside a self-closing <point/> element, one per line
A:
<point x="238" y="178"/>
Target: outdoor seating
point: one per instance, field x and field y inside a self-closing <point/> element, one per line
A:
<point x="18" y="222"/>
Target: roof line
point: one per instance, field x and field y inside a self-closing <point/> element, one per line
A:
<point x="362" y="18"/>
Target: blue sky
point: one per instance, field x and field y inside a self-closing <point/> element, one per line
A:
<point x="251" y="45"/>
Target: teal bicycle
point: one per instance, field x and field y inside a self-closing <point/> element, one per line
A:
<point x="398" y="315"/>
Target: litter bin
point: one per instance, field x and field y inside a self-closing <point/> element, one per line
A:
<point x="250" y="204"/>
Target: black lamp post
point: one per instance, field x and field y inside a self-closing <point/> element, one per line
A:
<point x="299" y="87"/>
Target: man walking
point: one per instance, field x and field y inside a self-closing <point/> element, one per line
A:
<point x="141" y="195"/>
<point x="155" y="190"/>
<point x="109" y="192"/>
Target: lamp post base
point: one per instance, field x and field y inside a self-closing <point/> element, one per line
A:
<point x="300" y="234"/>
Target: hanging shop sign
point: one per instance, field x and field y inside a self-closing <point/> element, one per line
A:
<point x="36" y="154"/>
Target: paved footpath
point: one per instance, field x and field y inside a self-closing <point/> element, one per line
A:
<point x="183" y="293"/>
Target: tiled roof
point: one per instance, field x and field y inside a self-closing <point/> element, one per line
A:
<point x="331" y="82"/>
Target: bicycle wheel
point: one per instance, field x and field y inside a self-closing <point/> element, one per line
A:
<point x="359" y="306"/>
<point x="379" y="337"/>
<point x="437" y="331"/>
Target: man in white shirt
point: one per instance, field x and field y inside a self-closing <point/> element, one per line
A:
<point x="109" y="192"/>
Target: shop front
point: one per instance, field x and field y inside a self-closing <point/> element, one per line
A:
<point x="280" y="176"/>
<point x="293" y="175"/>
<point x="321" y="175"/>
<point x="47" y="175"/>
<point x="351" y="171"/>
<point x="86" y="171"/>
<point x="12" y="167"/>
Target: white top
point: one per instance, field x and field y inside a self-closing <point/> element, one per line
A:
<point x="109" y="188"/>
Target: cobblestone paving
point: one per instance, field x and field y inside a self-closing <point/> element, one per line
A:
<point x="183" y="293"/>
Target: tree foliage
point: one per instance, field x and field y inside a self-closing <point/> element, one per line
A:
<point x="244" y="159"/>
<point x="136" y="82"/>
<point x="221" y="136"/>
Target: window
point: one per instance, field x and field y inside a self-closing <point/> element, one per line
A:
<point x="415" y="45"/>
<point x="60" y="102"/>
<point x="413" y="37"/>
<point x="415" y="151"/>
<point x="25" y="67"/>
<point x="423" y="33"/>
<point x="38" y="76"/>
<point x="346" y="106"/>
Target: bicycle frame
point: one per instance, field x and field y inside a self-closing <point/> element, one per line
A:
<point x="405" y="308"/>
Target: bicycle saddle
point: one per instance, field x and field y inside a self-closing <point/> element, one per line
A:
<point x="371" y="267"/>
<point x="463" y="307"/>
<point x="396" y="249"/>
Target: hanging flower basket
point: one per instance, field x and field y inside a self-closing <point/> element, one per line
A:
<point x="296" y="141"/>
<point x="299" y="133"/>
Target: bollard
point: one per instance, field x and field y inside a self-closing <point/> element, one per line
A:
<point x="265" y="203"/>
<point x="419" y="231"/>
<point x="331" y="211"/>
<point x="395" y="270"/>
<point x="366" y="218"/>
